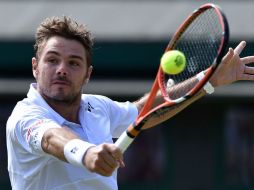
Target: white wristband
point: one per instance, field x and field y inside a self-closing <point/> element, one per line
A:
<point x="75" y="150"/>
<point x="208" y="86"/>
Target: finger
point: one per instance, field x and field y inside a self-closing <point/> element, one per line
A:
<point x="249" y="77"/>
<point x="121" y="163"/>
<point x="240" y="47"/>
<point x="249" y="70"/>
<point x="110" y="161"/>
<point x="226" y="59"/>
<point x="115" y="154"/>
<point x="104" y="169"/>
<point x="118" y="159"/>
<point x="247" y="60"/>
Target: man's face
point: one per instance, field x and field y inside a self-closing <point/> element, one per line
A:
<point x="61" y="70"/>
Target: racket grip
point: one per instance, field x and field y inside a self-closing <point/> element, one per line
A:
<point x="123" y="141"/>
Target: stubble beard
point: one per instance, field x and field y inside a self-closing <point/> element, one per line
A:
<point x="60" y="98"/>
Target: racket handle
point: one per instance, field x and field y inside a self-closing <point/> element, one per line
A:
<point x="123" y="141"/>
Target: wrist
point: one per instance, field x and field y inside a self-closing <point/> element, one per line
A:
<point x="75" y="150"/>
<point x="208" y="87"/>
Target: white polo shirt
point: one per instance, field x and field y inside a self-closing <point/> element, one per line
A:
<point x="101" y="119"/>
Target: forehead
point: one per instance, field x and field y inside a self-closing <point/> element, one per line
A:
<point x="64" y="46"/>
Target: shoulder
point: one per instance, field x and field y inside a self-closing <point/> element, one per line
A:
<point x="98" y="100"/>
<point x="26" y="111"/>
<point x="26" y="107"/>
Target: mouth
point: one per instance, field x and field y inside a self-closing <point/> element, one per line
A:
<point x="61" y="82"/>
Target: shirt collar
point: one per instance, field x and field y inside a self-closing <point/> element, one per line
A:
<point x="36" y="98"/>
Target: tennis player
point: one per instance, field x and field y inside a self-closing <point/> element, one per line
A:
<point x="61" y="139"/>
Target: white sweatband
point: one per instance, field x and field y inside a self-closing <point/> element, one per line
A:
<point x="74" y="151"/>
<point x="208" y="86"/>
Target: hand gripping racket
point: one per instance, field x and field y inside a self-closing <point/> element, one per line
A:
<point x="203" y="38"/>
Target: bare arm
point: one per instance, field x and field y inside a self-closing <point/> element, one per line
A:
<point x="54" y="140"/>
<point x="173" y="111"/>
<point x="232" y="68"/>
<point x="102" y="159"/>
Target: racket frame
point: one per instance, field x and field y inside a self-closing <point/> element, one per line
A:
<point x="147" y="111"/>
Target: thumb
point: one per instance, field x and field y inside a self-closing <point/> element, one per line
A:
<point x="116" y="154"/>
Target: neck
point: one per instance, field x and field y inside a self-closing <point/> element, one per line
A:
<point x="68" y="110"/>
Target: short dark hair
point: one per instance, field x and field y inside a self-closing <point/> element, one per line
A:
<point x="63" y="27"/>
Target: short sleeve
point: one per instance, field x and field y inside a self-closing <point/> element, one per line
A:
<point x="28" y="127"/>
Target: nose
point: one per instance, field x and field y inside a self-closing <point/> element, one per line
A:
<point x="62" y="69"/>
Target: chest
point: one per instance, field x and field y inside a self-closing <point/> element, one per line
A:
<point x="94" y="126"/>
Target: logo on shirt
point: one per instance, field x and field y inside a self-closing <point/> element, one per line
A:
<point x="32" y="127"/>
<point x="89" y="107"/>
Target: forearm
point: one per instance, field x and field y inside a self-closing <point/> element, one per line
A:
<point x="66" y="146"/>
<point x="54" y="140"/>
<point x="172" y="111"/>
<point x="174" y="91"/>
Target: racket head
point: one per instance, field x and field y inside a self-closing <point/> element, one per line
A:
<point x="203" y="38"/>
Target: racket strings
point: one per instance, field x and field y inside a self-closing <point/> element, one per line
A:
<point x="200" y="43"/>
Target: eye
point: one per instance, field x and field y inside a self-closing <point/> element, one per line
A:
<point x="74" y="63"/>
<point x="52" y="60"/>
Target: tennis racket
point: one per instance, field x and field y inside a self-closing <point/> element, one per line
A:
<point x="203" y="38"/>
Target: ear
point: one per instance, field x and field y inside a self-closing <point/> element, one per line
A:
<point x="89" y="72"/>
<point x="34" y="67"/>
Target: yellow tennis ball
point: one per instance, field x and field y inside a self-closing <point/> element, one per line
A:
<point x="173" y="62"/>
